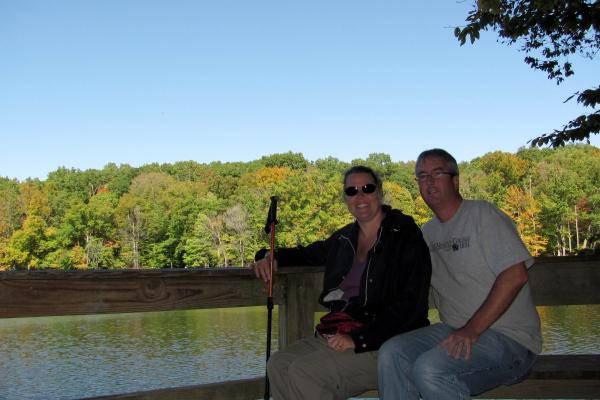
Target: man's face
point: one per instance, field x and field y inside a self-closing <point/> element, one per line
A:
<point x="436" y="184"/>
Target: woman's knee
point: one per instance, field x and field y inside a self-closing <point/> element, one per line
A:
<point x="304" y="368"/>
<point x="277" y="363"/>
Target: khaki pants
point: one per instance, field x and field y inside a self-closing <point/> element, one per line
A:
<point x="309" y="370"/>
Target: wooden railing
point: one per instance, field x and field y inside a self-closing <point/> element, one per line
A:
<point x="554" y="281"/>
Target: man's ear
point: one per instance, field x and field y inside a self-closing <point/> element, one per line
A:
<point x="456" y="182"/>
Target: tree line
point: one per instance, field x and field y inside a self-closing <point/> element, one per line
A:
<point x="189" y="214"/>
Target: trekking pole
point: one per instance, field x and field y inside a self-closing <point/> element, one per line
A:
<point x="270" y="229"/>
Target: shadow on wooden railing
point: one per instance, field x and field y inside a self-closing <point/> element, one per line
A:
<point x="554" y="281"/>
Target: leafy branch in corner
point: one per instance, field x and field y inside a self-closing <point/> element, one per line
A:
<point x="549" y="32"/>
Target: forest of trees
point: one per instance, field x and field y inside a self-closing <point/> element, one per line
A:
<point x="189" y="214"/>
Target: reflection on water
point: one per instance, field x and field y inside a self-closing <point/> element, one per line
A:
<point x="82" y="356"/>
<point x="571" y="329"/>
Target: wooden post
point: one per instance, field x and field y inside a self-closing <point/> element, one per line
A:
<point x="297" y="308"/>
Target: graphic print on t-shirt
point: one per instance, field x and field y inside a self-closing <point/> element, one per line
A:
<point x="453" y="244"/>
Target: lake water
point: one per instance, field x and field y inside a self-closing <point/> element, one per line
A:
<point x="83" y="356"/>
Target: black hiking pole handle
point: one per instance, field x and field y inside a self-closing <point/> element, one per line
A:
<point x="272" y="217"/>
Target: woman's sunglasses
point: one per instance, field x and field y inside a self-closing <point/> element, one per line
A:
<point x="353" y="190"/>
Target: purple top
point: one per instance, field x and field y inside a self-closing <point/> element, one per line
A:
<point x="351" y="283"/>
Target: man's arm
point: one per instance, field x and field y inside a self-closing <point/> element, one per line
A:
<point x="506" y="287"/>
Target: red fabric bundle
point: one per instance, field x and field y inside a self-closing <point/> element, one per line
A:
<point x="336" y="322"/>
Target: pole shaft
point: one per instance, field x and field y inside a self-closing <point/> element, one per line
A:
<point x="269" y="330"/>
<point x="270" y="307"/>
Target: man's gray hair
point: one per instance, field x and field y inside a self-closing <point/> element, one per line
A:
<point x="444" y="155"/>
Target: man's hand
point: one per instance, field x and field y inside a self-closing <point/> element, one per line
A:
<point x="506" y="287"/>
<point x="460" y="341"/>
<point x="262" y="268"/>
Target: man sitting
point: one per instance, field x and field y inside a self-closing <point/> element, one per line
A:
<point x="490" y="329"/>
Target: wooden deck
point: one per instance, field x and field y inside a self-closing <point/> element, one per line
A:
<point x="554" y="281"/>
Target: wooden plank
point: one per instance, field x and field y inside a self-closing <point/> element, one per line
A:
<point x="561" y="281"/>
<point x="254" y="389"/>
<point x="49" y="293"/>
<point x="536" y="389"/>
<point x="554" y="281"/>
<point x="547" y="389"/>
<point x="119" y="274"/>
<point x="566" y="366"/>
<point x="573" y="376"/>
<point x="565" y="280"/>
<point x="243" y="389"/>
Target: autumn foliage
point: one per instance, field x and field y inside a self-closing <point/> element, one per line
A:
<point x="212" y="215"/>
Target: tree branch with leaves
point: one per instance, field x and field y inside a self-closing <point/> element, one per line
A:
<point x="549" y="32"/>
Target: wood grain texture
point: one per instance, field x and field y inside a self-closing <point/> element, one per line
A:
<point x="46" y="293"/>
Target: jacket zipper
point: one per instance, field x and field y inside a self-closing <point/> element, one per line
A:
<point x="368" y="264"/>
<point x="369" y="267"/>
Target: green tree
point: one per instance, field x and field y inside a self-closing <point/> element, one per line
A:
<point x="29" y="245"/>
<point x="35" y="239"/>
<point x="236" y="221"/>
<point x="380" y="162"/>
<point x="592" y="240"/>
<point x="488" y="177"/>
<point x="153" y="217"/>
<point x="118" y="178"/>
<point x="289" y="160"/>
<point x="200" y="244"/>
<point x="561" y="180"/>
<point x="404" y="175"/>
<point x="11" y="207"/>
<point x="90" y="225"/>
<point x="331" y="166"/>
<point x="422" y="212"/>
<point x="311" y="207"/>
<point x="524" y="211"/>
<point x="398" y="197"/>
<point x="198" y="249"/>
<point x="476" y="184"/>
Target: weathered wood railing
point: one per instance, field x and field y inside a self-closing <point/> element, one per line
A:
<point x="554" y="281"/>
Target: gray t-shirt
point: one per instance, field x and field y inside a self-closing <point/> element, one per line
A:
<point x="468" y="252"/>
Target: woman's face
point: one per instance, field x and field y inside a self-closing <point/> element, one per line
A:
<point x="363" y="206"/>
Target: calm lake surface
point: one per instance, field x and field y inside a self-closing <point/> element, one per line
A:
<point x="84" y="356"/>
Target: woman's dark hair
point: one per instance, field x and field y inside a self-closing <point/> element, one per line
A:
<point x="361" y="169"/>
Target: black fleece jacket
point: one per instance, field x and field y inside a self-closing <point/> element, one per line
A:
<point x="394" y="286"/>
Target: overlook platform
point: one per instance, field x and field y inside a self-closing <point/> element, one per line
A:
<point x="554" y="281"/>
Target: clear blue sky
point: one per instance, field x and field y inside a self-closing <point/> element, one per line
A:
<point x="85" y="83"/>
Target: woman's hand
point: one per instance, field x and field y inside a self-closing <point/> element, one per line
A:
<point x="340" y="342"/>
<point x="262" y="268"/>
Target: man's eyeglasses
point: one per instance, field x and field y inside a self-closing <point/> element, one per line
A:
<point x="367" y="189"/>
<point x="422" y="178"/>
